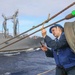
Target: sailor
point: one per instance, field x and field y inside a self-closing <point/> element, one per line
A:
<point x="59" y="49"/>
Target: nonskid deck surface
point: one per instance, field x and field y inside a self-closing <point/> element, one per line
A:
<point x="27" y="63"/>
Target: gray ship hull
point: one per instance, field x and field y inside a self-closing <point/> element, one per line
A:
<point x="22" y="44"/>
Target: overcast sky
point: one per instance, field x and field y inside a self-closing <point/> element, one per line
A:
<point x="33" y="12"/>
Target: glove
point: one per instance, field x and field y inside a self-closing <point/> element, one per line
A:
<point x="43" y="31"/>
<point x="44" y="48"/>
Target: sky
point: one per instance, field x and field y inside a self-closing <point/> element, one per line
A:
<point x="34" y="12"/>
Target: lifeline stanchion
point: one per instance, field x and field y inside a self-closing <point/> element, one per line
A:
<point x="41" y="23"/>
<point x="67" y="17"/>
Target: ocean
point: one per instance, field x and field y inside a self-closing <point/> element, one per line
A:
<point x="32" y="62"/>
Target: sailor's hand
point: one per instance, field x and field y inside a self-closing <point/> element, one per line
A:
<point x="43" y="31"/>
<point x="44" y="48"/>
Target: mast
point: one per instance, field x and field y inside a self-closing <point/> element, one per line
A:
<point x="5" y="25"/>
<point x="15" y="24"/>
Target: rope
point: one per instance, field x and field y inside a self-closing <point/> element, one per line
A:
<point x="32" y="33"/>
<point x="46" y="72"/>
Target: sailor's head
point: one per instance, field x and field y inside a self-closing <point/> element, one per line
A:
<point x="56" y="30"/>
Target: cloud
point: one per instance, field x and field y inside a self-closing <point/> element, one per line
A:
<point x="33" y="7"/>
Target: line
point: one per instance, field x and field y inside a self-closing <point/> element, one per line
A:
<point x="46" y="72"/>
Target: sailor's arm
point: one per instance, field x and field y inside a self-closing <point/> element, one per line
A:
<point x="52" y="43"/>
<point x="47" y="51"/>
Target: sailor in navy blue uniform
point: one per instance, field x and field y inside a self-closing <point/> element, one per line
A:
<point x="60" y="50"/>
